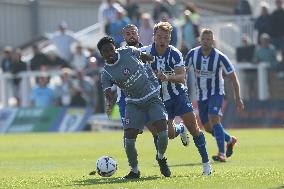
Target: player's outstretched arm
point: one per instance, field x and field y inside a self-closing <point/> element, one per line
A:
<point x="109" y="101"/>
<point x="146" y="57"/>
<point x="178" y="76"/>
<point x="236" y="86"/>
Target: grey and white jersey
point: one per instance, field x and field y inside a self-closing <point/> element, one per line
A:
<point x="129" y="74"/>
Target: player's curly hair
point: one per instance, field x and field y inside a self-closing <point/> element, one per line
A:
<point x="105" y="40"/>
<point x="166" y="26"/>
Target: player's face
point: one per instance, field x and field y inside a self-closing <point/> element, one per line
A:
<point x="108" y="52"/>
<point x="207" y="41"/>
<point x="131" y="36"/>
<point x="162" y="39"/>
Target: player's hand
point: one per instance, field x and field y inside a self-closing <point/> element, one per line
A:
<point x="240" y="105"/>
<point x="162" y="76"/>
<point x="108" y="109"/>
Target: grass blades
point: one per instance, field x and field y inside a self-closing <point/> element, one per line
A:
<point x="54" y="160"/>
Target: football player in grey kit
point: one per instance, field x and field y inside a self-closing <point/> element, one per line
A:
<point x="124" y="68"/>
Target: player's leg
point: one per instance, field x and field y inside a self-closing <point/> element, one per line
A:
<point x="185" y="110"/>
<point x="190" y="122"/>
<point x="228" y="138"/>
<point x="131" y="152"/>
<point x="179" y="129"/>
<point x="214" y="114"/>
<point x="175" y="130"/>
<point x="153" y="131"/>
<point x="157" y="115"/>
<point x="133" y="124"/>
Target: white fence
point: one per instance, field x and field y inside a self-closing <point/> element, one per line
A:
<point x="28" y="81"/>
<point x="229" y="30"/>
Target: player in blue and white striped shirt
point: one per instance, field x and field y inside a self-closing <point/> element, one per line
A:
<point x="131" y="37"/>
<point x="208" y="64"/>
<point x="169" y="67"/>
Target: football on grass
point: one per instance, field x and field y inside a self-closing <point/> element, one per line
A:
<point x="106" y="166"/>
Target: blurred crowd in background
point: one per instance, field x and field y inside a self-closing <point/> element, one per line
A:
<point x="79" y="84"/>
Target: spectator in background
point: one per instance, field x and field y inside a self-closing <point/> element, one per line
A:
<point x="146" y="29"/>
<point x="245" y="54"/>
<point x="262" y="23"/>
<point x="277" y="28"/>
<point x="66" y="88"/>
<point x="132" y="9"/>
<point x="246" y="51"/>
<point x="6" y="63"/>
<point x="190" y="31"/>
<point x="42" y="95"/>
<point x="242" y="7"/>
<point x="194" y="16"/>
<point x="79" y="61"/>
<point x="39" y="59"/>
<point x="116" y="26"/>
<point x="165" y="17"/>
<point x="55" y="61"/>
<point x="107" y="13"/>
<point x="84" y="87"/>
<point x="93" y="53"/>
<point x="265" y="52"/>
<point x="94" y="71"/>
<point x="17" y="66"/>
<point x="63" y="39"/>
<point x="160" y="7"/>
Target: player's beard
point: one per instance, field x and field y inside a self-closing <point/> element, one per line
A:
<point x="132" y="42"/>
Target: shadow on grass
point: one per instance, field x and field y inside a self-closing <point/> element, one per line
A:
<point x="279" y="187"/>
<point x="188" y="164"/>
<point x="100" y="180"/>
<point x="185" y="165"/>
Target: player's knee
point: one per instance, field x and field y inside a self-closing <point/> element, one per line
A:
<point x="207" y="129"/>
<point x="131" y="133"/>
<point x="193" y="129"/>
<point x="160" y="125"/>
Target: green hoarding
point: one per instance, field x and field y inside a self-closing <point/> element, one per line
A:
<point x="34" y="119"/>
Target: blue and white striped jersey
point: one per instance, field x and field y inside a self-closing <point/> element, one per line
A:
<point x="208" y="71"/>
<point x="166" y="64"/>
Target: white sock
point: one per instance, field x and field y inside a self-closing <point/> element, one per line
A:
<point x="135" y="169"/>
<point x="160" y="156"/>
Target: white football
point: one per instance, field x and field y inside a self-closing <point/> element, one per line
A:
<point x="106" y="166"/>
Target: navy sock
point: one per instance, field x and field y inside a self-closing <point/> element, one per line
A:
<point x="220" y="137"/>
<point x="227" y="136"/>
<point x="200" y="143"/>
<point x="179" y="128"/>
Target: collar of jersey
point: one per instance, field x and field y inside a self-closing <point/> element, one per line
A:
<point x="118" y="57"/>
<point x="206" y="57"/>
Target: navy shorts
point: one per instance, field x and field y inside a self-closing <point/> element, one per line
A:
<point x="211" y="106"/>
<point x="121" y="107"/>
<point x="178" y="105"/>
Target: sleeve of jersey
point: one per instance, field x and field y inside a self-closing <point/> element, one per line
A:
<point x="106" y="81"/>
<point x="177" y="58"/>
<point x="136" y="51"/>
<point x="226" y="64"/>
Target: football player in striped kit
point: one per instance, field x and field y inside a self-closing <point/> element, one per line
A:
<point x="208" y="64"/>
<point x="169" y="67"/>
<point x="131" y="37"/>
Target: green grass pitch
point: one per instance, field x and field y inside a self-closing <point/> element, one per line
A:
<point x="64" y="160"/>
